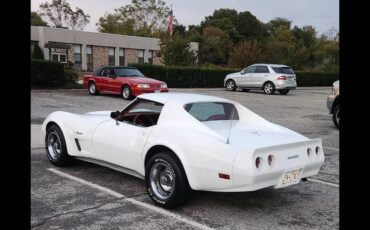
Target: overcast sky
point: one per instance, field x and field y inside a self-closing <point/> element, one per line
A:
<point x="322" y="14"/>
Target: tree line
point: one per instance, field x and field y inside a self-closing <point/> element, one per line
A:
<point x="227" y="38"/>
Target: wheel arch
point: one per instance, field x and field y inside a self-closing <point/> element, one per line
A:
<point x="268" y="81"/>
<point x="335" y="103"/>
<point x="163" y="148"/>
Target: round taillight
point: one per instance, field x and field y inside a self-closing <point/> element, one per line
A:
<point x="269" y="160"/>
<point x="258" y="162"/>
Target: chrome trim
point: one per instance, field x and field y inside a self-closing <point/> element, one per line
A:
<point x="112" y="166"/>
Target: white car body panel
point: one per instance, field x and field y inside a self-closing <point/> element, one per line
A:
<point x="200" y="146"/>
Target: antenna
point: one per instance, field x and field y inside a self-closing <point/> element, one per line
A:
<point x="231" y="122"/>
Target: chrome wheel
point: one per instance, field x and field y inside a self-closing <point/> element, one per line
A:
<point x="230" y="85"/>
<point x="162" y="180"/>
<point x="126" y="93"/>
<point x="54" y="145"/>
<point x="92" y="88"/>
<point x="269" y="88"/>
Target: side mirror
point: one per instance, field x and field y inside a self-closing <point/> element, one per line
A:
<point x="114" y="115"/>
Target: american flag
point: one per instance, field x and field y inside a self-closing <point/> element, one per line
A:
<point x="170" y="22"/>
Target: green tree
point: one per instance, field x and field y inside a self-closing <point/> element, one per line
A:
<point x="249" y="27"/>
<point x="37" y="52"/>
<point x="176" y="51"/>
<point x="326" y="52"/>
<point x="277" y="23"/>
<point x="284" y="48"/>
<point x="36" y="20"/>
<point x="215" y="46"/>
<point x="60" y="15"/>
<point x="247" y="53"/>
<point x="141" y="17"/>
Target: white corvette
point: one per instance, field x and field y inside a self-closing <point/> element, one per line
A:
<point x="182" y="142"/>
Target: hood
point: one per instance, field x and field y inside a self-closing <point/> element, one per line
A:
<point x="99" y="113"/>
<point x="233" y="74"/>
<point x="245" y="135"/>
<point x="139" y="80"/>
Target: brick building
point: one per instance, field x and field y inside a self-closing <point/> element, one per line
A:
<point x="89" y="50"/>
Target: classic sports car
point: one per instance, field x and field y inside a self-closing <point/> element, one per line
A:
<point x="181" y="142"/>
<point x="126" y="81"/>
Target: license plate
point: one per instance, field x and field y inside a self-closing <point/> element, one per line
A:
<point x="157" y="91"/>
<point x="290" y="178"/>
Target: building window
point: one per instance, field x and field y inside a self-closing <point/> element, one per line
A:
<point x="121" y="56"/>
<point x="77" y="57"/>
<point x="141" y="57"/>
<point x="111" y="58"/>
<point x="150" y="56"/>
<point x="89" y="58"/>
<point x="59" y="57"/>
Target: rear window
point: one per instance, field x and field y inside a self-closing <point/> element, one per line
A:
<point x="284" y="70"/>
<point x="212" y="111"/>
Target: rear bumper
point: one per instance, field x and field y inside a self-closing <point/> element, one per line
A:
<point x="138" y="91"/>
<point x="279" y="85"/>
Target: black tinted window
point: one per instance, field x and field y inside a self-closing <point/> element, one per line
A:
<point x="262" y="69"/>
<point x="286" y="70"/>
<point x="211" y="111"/>
<point x="104" y="72"/>
<point x="250" y="69"/>
<point x="128" y="72"/>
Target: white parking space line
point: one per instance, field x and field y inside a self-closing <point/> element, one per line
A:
<point x="331" y="148"/>
<point x="131" y="200"/>
<point x="323" y="182"/>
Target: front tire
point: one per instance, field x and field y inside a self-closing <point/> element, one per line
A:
<point x="230" y="85"/>
<point x="269" y="88"/>
<point x="126" y="92"/>
<point x="284" y="91"/>
<point x="92" y="89"/>
<point x="166" y="181"/>
<point x="56" y="148"/>
<point x="336" y="116"/>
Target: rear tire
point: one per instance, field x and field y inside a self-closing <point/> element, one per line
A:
<point x="336" y="116"/>
<point x="126" y="92"/>
<point x="166" y="181"/>
<point x="230" y="85"/>
<point x="92" y="89"/>
<point x="284" y="91"/>
<point x="269" y="88"/>
<point x="56" y="148"/>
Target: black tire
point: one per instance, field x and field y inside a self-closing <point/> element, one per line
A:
<point x="59" y="159"/>
<point x="92" y="89"/>
<point x="336" y="116"/>
<point x="230" y="85"/>
<point x="180" y="186"/>
<point x="269" y="88"/>
<point x="245" y="90"/>
<point x="126" y="92"/>
<point x="284" y="91"/>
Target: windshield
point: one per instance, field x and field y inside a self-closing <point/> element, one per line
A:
<point x="284" y="70"/>
<point x="123" y="72"/>
<point x="211" y="111"/>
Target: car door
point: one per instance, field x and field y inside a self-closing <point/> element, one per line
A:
<point x="259" y="76"/>
<point x="113" y="83"/>
<point x="102" y="80"/>
<point x="247" y="74"/>
<point x="122" y="142"/>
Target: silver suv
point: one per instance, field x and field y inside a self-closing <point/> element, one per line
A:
<point x="332" y="103"/>
<point x="268" y="77"/>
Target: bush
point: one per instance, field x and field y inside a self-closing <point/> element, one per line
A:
<point x="316" y="78"/>
<point x="47" y="73"/>
<point x="183" y="77"/>
<point x="37" y="52"/>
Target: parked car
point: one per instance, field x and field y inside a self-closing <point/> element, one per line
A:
<point x="126" y="81"/>
<point x="268" y="77"/>
<point x="179" y="142"/>
<point x="333" y="103"/>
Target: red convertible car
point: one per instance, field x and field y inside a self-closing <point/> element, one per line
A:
<point x="126" y="81"/>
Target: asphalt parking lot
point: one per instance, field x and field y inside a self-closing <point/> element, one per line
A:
<point x="87" y="196"/>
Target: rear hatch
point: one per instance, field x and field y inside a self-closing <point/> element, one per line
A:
<point x="286" y="71"/>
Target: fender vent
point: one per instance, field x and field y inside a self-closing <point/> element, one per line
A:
<point x="78" y="144"/>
